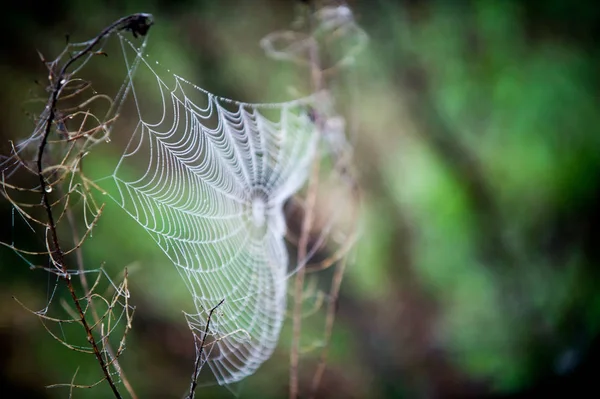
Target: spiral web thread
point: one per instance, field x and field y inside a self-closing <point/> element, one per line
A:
<point x="211" y="195"/>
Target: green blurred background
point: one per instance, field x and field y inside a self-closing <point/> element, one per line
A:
<point x="477" y="149"/>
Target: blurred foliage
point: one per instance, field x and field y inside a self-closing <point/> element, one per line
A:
<point x="476" y="146"/>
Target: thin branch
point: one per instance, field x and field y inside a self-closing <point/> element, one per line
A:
<point x="311" y="196"/>
<point x="137" y="24"/>
<point x="330" y="318"/>
<point x="84" y="283"/>
<point x="198" y="362"/>
<point x="300" y="276"/>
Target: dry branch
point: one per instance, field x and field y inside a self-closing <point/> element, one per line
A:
<point x="63" y="85"/>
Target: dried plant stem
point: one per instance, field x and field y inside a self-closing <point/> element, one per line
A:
<point x="137" y="23"/>
<point x="194" y="383"/>
<point x="57" y="253"/>
<point x="307" y="221"/>
<point x="311" y="197"/>
<point x="85" y="286"/>
<point x="330" y="318"/>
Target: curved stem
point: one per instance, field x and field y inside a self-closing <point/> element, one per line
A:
<point x="137" y="24"/>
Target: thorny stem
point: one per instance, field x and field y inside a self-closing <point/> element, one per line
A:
<point x="138" y="24"/>
<point x="194" y="383"/>
<point x="317" y="82"/>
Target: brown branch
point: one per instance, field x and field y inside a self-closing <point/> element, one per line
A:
<point x="330" y="318"/>
<point x="84" y="283"/>
<point x="311" y="196"/>
<point x="307" y="221"/>
<point x="198" y="362"/>
<point x="138" y="24"/>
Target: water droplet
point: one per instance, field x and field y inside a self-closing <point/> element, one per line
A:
<point x="48" y="189"/>
<point x="62" y="82"/>
<point x="107" y="139"/>
<point x="156" y="62"/>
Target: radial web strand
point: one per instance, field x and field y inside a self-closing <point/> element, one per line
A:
<point x="213" y="175"/>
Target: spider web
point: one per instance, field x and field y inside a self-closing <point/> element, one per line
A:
<point x="212" y="178"/>
<point x="207" y="177"/>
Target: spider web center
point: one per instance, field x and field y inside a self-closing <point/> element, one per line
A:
<point x="259" y="209"/>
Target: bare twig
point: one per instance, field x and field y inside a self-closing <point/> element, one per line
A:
<point x="85" y="286"/>
<point x="198" y="362"/>
<point x="311" y="196"/>
<point x="137" y="24"/>
<point x="330" y="318"/>
<point x="300" y="276"/>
